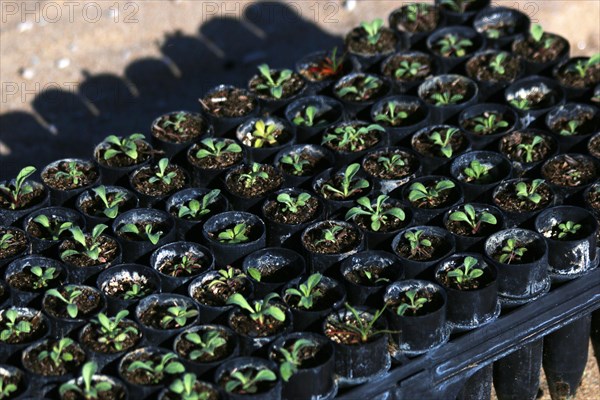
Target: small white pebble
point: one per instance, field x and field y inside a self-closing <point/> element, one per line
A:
<point x="581" y="45"/>
<point x="4" y="149"/>
<point x="63" y="63"/>
<point x="349" y="4"/>
<point x="25" y="26"/>
<point x="27" y="73"/>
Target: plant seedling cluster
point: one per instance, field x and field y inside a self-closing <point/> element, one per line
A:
<point x="454" y="46"/>
<point x="330" y="235"/>
<point x="362" y="89"/>
<point x="88" y="245"/>
<point x="351" y="137"/>
<point x="408" y="69"/>
<point x="530" y="192"/>
<point x="111" y="208"/>
<point x="293" y="204"/>
<point x="378" y="213"/>
<point x="348" y="185"/>
<point x="195" y="209"/>
<point x="162" y="175"/>
<point x="70" y="298"/>
<point x="373" y="30"/>
<point x="157" y="371"/>
<point x="443" y="141"/>
<point x="358" y="325"/>
<point x="296" y="162"/>
<point x="114" y="331"/>
<point x="307" y="291"/>
<point x="246" y="381"/>
<point x="177" y="125"/>
<point x="252" y="177"/>
<point x="292" y="358"/>
<point x="472" y="218"/>
<point x="73" y="174"/>
<point x="264" y="134"/>
<point x="185" y="388"/>
<point x="90" y="389"/>
<point x="476" y="171"/>
<point x="54" y="227"/>
<point x="259" y="310"/>
<point x="391" y="163"/>
<point x="511" y="251"/>
<point x="123" y="145"/>
<point x="422" y="195"/>
<point x="582" y="67"/>
<point x="205" y="343"/>
<point x="237" y="234"/>
<point x="390" y="116"/>
<point x="43" y="276"/>
<point x="416" y="302"/>
<point x="419" y="246"/>
<point x="177" y="315"/>
<point x="274" y="86"/>
<point x="216" y="148"/>
<point x="529" y="148"/>
<point x="568" y="229"/>
<point x="308" y="118"/>
<point x="488" y="125"/>
<point x="13" y="327"/>
<point x="146" y="234"/>
<point x="466" y="272"/>
<point x="59" y="352"/>
<point x="16" y="189"/>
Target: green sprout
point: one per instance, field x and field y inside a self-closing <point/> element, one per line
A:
<point x="195" y="209"/>
<point x="529" y="193"/>
<point x="329" y="235"/>
<point x="292" y="204"/>
<point x="418" y="191"/>
<point x="72" y="294"/>
<point x="360" y="325"/>
<point x="260" y="309"/>
<point x="147" y="234"/>
<point x="275" y="87"/>
<point x="43" y="276"/>
<point x="91" y="390"/>
<point x="6" y="241"/>
<point x="247" y="381"/>
<point x="73" y="174"/>
<point x="444" y="142"/>
<point x="59" y="352"/>
<point x="114" y="331"/>
<point x="416" y="303"/>
<point x="408" y="69"/>
<point x="135" y="292"/>
<point x="12" y="326"/>
<point x="459" y="6"/>
<point x="537" y="34"/>
<point x="362" y="91"/>
<point x="497" y="63"/>
<point x="7" y="389"/>
<point x="349" y="185"/>
<point x="568" y="228"/>
<point x="92" y="249"/>
<point x="377" y="213"/>
<point x="572" y="128"/>
<point x="292" y="358"/>
<point x="250" y="179"/>
<point x="453" y="45"/>
<point x="418" y="245"/>
<point x="390" y="115"/>
<point x="521" y="103"/>
<point x="55" y="227"/>
<point x="582" y="67"/>
<point x="205" y="344"/>
<point x="238" y="234"/>
<point x="162" y="175"/>
<point x="307" y="291"/>
<point x="123" y="145"/>
<point x="18" y="187"/>
<point x="216" y="148"/>
<point x="156" y="372"/>
<point x="529" y="148"/>
<point x="373" y="30"/>
<point x="391" y="163"/>
<point x="348" y="136"/>
<point x="177" y="125"/>
<point x="446" y="98"/>
<point x="476" y="171"/>
<point x="511" y="252"/>
<point x="179" y="315"/>
<point x="308" y="119"/>
<point x="185" y="388"/>
<point x="472" y="218"/>
<point x="264" y="134"/>
<point x="111" y="208"/>
<point x="297" y="162"/>
<point x="465" y="272"/>
<point x="487" y="125"/>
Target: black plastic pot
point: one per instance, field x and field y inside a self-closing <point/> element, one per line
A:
<point x="543" y="68"/>
<point x="520" y="282"/>
<point x="573" y="257"/>
<point x="499" y="169"/>
<point x="344" y="158"/>
<point x="572" y="92"/>
<point x="223" y="124"/>
<point x="354" y="108"/>
<point x="62" y="214"/>
<point x="157" y="336"/>
<point x="288" y="235"/>
<point x="79" y="274"/>
<point x="517" y="375"/>
<point x="333" y="205"/>
<point x="61" y="327"/>
<point x="460" y="17"/>
<point x="388" y="266"/>
<point x="276" y="266"/>
<point x="417" y="334"/>
<point x="22" y="298"/>
<point x="569" y="112"/>
<point x="117" y="175"/>
<point x="424" y="269"/>
<point x="316" y="379"/>
<point x="109" y="279"/>
<point x="23" y="385"/>
<point x="438" y="164"/>
<point x="479" y="141"/>
<point x="492" y="84"/>
<point x="325" y="158"/>
<point x="141" y="391"/>
<point x="214" y="313"/>
<point x="381" y="183"/>
<point x="171" y="149"/>
<point x="311" y="320"/>
<point x="237" y="200"/>
<point x="511" y="24"/>
<point x="259" y="154"/>
<point x="565" y="357"/>
<point x="408" y="85"/>
<point x="475" y="242"/>
<point x="418" y="116"/>
<point x="189" y="229"/>
<point x="130" y="202"/>
<point x="241" y="363"/>
<point x="60" y="197"/>
<point x="366" y="59"/>
<point x="326" y="107"/>
<point x="423" y="216"/>
<point x="520" y="166"/>
<point x="251" y="345"/>
<point x="177" y="250"/>
<point x="478" y="386"/>
<point x="225" y="253"/>
<point x="207" y="369"/>
<point x="322" y="262"/>
<point x="553" y="97"/>
<point x="359" y="363"/>
<point x="140" y="250"/>
<point x="14" y="217"/>
<point x="469" y="309"/>
<point x="347" y="65"/>
<point x="461" y="32"/>
<point x="158" y="201"/>
<point x="20" y="252"/>
<point x="441" y="114"/>
<point x="568" y="193"/>
<point x="11" y="352"/>
<point x="413" y="38"/>
<point x="202" y="177"/>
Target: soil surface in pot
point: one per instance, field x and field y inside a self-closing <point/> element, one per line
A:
<point x="345" y="240"/>
<point x="570" y="171"/>
<point x="424" y="145"/>
<point x="15" y="245"/>
<point x="379" y="170"/>
<point x="457" y="87"/>
<point x="509" y="146"/>
<point x="224" y="160"/>
<point x="27" y="281"/>
<point x="570" y="77"/>
<point x="585" y="124"/>
<point x="404" y="62"/>
<point x="260" y="186"/>
<point x="47" y="367"/>
<point x="141" y="181"/>
<point x="437" y="249"/>
<point x="229" y="103"/>
<point x="479" y="68"/>
<point x="289" y="87"/>
<point x="278" y="212"/>
<point x="370" y="275"/>
<point x="119" y="287"/>
<point x="245" y="325"/>
<point x="184" y="348"/>
<point x="53" y="177"/>
<point x="91" y="336"/>
<point x="109" y="250"/>
<point x="88" y="303"/>
<point x="179" y="127"/>
<point x="508" y="200"/>
<point x="37" y="328"/>
<point x="122" y="160"/>
<point x="178" y="267"/>
<point x="357" y="41"/>
<point x="535" y="51"/>
<point x="36" y="196"/>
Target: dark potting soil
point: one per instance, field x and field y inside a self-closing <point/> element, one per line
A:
<point x="229" y="103"/>
<point x="88" y="303"/>
<point x="38" y="328"/>
<point x="16" y="245"/>
<point x="479" y="68"/>
<point x="456" y="87"/>
<point x="114" y="393"/>
<point x="346" y="240"/>
<point x="434" y="302"/>
<point x="52" y="178"/>
<point x="424" y="145"/>
<point x="470" y="124"/>
<point x="274" y="211"/>
<point x="94" y="206"/>
<point x="437" y="249"/>
<point x="199" y="388"/>
<point x="141" y="181"/>
<point x="154" y="314"/>
<point x="380" y="275"/>
<point x="261" y="387"/>
<point x="570" y="77"/>
<point x="534" y="51"/>
<point x="190" y="127"/>
<point x="140" y="376"/>
<point x="282" y="136"/>
<point x="509" y="146"/>
<point x="26" y="281"/>
<point x="184" y="348"/>
<point x="374" y="168"/>
<point x="585" y="125"/>
<point x="122" y="160"/>
<point x="157" y="226"/>
<point x="218" y="294"/>
<point x="224" y="160"/>
<point x="364" y="93"/>
<point x="424" y="70"/>
<point x="357" y="42"/>
<point x="259" y="188"/>
<point x="245" y="325"/>
<point x="508" y="200"/>
<point x="46" y="366"/>
<point x="414" y="115"/>
<point x="172" y="266"/>
<point x="471" y="284"/>
<point x="109" y="250"/>
<point x="593" y="199"/>
<point x="324" y="297"/>
<point x="91" y="336"/>
<point x="390" y="224"/>
<point x="426" y="19"/>
<point x="570" y="171"/>
<point x="290" y="87"/>
<point x="594" y="146"/>
<point x="24" y="201"/>
<point x="336" y="182"/>
<point x="313" y="164"/>
<point x="118" y="287"/>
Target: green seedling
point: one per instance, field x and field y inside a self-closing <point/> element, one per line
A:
<point x="377" y="213"/>
<point x="529" y="193"/>
<point x="293" y="204"/>
<point x="419" y="193"/>
<point x="582" y="67"/>
<point x="162" y="175"/>
<point x="136" y="292"/>
<point x="70" y="298"/>
<point x="476" y="171"/>
<point x="359" y="325"/>
<point x="567" y="229"/>
<point x="147" y="234"/>
<point x="497" y="64"/>
<point x="390" y="116"/>
<point x="275" y="87"/>
<point x="55" y="228"/>
<point x="216" y="148"/>
<point x="251" y="178"/>
<point x="459" y="6"/>
<point x="391" y="163"/>
<point x="264" y="134"/>
<point x="59" y="352"/>
<point x="90" y="390"/>
<point x="348" y="136"/>
<point x="466" y="271"/>
<point x="537" y="34"/>
<point x="330" y="235"/>
<point x="12" y="326"/>
<point x="88" y="246"/>
<point x="307" y="291"/>
<point x="72" y="174"/>
<point x="416" y="303"/>
<point x="195" y="209"/>
<point x="43" y="276"/>
<point x="123" y="145"/>
<point x="530" y="148"/>
<point x="292" y="358"/>
<point x="349" y="185"/>
<point x="418" y="245"/>
<point x="453" y="46"/>
<point x="111" y="208"/>
<point x="408" y="69"/>
<point x="363" y="90"/>
<point x="373" y="30"/>
<point x="17" y="188"/>
<point x="247" y="381"/>
<point x="472" y="218"/>
<point x="7" y="389"/>
<point x="177" y="125"/>
<point x="205" y="343"/>
<point x="260" y="309"/>
<point x="308" y="119"/>
<point x="490" y="124"/>
<point x="446" y="98"/>
<point x="113" y="332"/>
<point x="571" y="128"/>
<point x="156" y="372"/>
<point x="521" y="103"/>
<point x="238" y="234"/>
<point x="185" y="388"/>
<point x="443" y="140"/>
<point x="511" y="252"/>
<point x="297" y="162"/>
<point x="179" y="315"/>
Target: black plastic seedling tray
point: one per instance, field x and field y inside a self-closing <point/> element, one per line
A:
<point x="440" y="373"/>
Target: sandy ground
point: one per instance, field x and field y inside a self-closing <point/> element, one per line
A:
<point x="72" y="72"/>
